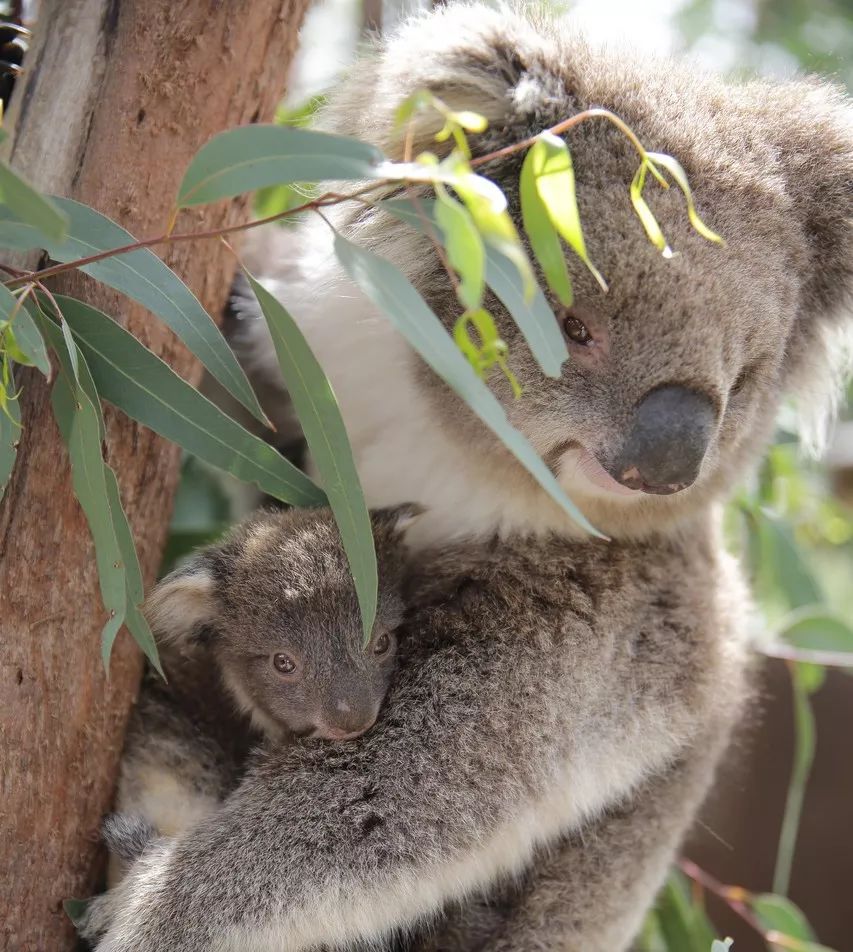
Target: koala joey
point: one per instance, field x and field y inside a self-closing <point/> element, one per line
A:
<point x="560" y="702"/>
<point x="261" y="638"/>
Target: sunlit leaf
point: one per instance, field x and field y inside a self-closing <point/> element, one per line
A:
<point x="721" y="945"/>
<point x="644" y="213"/>
<point x="251" y="157"/>
<point x="543" y="236"/>
<point x="30" y="206"/>
<point x="554" y="180"/>
<point x="149" y="391"/>
<point x="10" y="434"/>
<point x="464" y="248"/>
<point x="534" y="318"/>
<point x="320" y="417"/>
<point x="395" y="296"/>
<point x="680" y="176"/>
<point x="142" y="276"/>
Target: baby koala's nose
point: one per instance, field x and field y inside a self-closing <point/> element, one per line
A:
<point x="345" y="722"/>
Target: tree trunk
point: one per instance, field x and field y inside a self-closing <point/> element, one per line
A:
<point x="120" y="95"/>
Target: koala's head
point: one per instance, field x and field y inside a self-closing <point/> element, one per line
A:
<point x="275" y="604"/>
<point x="675" y="375"/>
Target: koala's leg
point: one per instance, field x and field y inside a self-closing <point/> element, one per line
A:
<point x="590" y="892"/>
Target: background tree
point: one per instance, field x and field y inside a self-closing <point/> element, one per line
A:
<point x="106" y="80"/>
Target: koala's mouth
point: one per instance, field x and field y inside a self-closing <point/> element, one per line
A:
<point x="590" y="469"/>
<point x="574" y="463"/>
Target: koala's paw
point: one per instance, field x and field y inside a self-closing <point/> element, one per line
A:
<point x="94" y="923"/>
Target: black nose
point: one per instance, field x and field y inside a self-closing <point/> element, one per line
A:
<point x="667" y="442"/>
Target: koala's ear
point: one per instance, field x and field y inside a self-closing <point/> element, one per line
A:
<point x="470" y="56"/>
<point x="183" y="604"/>
<point x="811" y="128"/>
<point x="396" y="519"/>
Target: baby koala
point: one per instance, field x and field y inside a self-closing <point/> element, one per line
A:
<point x="275" y="608"/>
<point x="261" y="640"/>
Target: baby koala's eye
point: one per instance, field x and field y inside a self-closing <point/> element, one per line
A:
<point x="576" y="330"/>
<point x="382" y="644"/>
<point x="283" y="663"/>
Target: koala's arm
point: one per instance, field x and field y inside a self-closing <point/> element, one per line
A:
<point x="590" y="892"/>
<point x="325" y="844"/>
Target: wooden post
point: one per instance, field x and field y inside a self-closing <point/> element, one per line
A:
<point x="119" y="96"/>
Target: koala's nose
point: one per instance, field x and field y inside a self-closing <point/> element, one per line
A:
<point x="346" y="722"/>
<point x="667" y="441"/>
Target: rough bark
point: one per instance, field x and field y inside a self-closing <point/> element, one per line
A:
<point x="120" y="95"/>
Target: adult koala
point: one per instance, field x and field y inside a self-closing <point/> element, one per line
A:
<point x="557" y="693"/>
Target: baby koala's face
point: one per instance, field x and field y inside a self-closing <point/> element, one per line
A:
<point x="280" y="615"/>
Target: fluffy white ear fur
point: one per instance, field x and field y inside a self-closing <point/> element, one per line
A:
<point x="181" y="604"/>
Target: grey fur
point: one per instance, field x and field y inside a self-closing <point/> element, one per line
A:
<point x="560" y="704"/>
<point x="279" y="582"/>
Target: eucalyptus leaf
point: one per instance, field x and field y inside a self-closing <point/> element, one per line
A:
<point x="78" y="421"/>
<point x="318" y="413"/>
<point x="251" y="157"/>
<point x="10" y="434"/>
<point x="781" y="915"/>
<point x="815" y="629"/>
<point x="550" y="166"/>
<point x="684" y="925"/>
<point x="30" y="206"/>
<point x="543" y="236"/>
<point x="534" y="317"/>
<point x="145" y="278"/>
<point x="465" y="249"/>
<point x="27" y="335"/>
<point x="149" y="391"/>
<point x="644" y="213"/>
<point x="673" y="166"/>
<point x="395" y="296"/>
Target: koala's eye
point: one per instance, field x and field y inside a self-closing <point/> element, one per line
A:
<point x="382" y="644"/>
<point x="283" y="663"/>
<point x="576" y="330"/>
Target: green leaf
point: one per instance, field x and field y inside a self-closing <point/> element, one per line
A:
<point x="673" y="166"/>
<point x="683" y="924"/>
<point x="142" y="276"/>
<point x="149" y="391"/>
<point x="27" y="336"/>
<point x="644" y="213"/>
<point x="464" y="248"/>
<point x="781" y="915"/>
<point x="550" y="167"/>
<point x="395" y="296"/>
<point x="805" y="680"/>
<point x="721" y="945"/>
<point x="75" y="909"/>
<point x="534" y="318"/>
<point x="544" y="239"/>
<point x="31" y="207"/>
<point x="251" y="157"/>
<point x="79" y="424"/>
<point x="10" y="434"/>
<point x="318" y="413"/>
<point x="780" y="564"/>
<point x="487" y="205"/>
<point x="815" y="629"/>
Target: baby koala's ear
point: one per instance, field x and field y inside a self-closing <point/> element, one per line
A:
<point x="396" y="519"/>
<point x="183" y="604"/>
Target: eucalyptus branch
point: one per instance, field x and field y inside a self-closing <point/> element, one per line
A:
<point x="737" y="899"/>
<point x="326" y="199"/>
